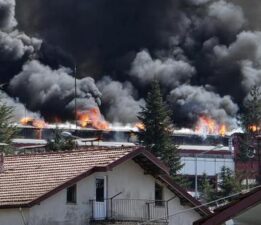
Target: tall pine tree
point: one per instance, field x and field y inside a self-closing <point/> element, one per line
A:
<point x="7" y="129"/>
<point x="207" y="190"/>
<point x="156" y="136"/>
<point x="229" y="183"/>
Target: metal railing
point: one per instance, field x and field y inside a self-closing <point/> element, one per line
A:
<point x="129" y="209"/>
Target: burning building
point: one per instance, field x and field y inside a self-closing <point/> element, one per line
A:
<point x="205" y="54"/>
<point x="182" y="45"/>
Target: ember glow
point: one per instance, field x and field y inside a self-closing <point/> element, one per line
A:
<point x="140" y="126"/>
<point x="38" y="123"/>
<point x="254" y="128"/>
<point x="206" y="125"/>
<point x="92" y="118"/>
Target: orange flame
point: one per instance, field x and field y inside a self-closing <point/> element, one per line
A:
<point x="223" y="130"/>
<point x="254" y="128"/>
<point x="40" y="124"/>
<point x="207" y="125"/>
<point x="33" y="122"/>
<point x="26" y="120"/>
<point x="92" y="117"/>
<point x="140" y="126"/>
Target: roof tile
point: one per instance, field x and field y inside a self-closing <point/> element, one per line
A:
<point x="27" y="177"/>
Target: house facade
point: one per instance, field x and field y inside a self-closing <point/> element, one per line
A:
<point x="92" y="187"/>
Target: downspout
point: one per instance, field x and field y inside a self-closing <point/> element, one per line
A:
<point x="168" y="206"/>
<point x="22" y="215"/>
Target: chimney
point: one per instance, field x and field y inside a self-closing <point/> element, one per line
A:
<point x="2" y="159"/>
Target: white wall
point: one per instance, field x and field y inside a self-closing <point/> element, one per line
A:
<point x="127" y="178"/>
<point x="13" y="216"/>
<point x="176" y="216"/>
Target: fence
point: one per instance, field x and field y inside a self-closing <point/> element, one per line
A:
<point x="129" y="209"/>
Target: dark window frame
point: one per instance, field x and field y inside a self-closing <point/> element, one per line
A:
<point x="100" y="188"/>
<point x="159" y="195"/>
<point x="71" y="194"/>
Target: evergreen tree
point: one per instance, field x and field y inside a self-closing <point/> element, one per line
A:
<point x="59" y="143"/>
<point x="207" y="189"/>
<point x="7" y="129"/>
<point x="156" y="135"/>
<point x="229" y="183"/>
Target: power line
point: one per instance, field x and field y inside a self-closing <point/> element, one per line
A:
<point x="196" y="207"/>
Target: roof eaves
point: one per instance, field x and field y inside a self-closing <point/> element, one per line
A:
<point x="67" y="184"/>
<point x="14" y="206"/>
<point x="124" y="158"/>
<point x="232" y="209"/>
<point x="203" y="210"/>
<point x="137" y="152"/>
<point x="156" y="161"/>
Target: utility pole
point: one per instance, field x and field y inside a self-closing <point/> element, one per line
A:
<point x="196" y="166"/>
<point x="258" y="139"/>
<point x="75" y="96"/>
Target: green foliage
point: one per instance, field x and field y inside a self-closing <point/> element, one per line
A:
<point x="229" y="183"/>
<point x="208" y="192"/>
<point x="252" y="111"/>
<point x="7" y="129"/>
<point x="59" y="143"/>
<point x="156" y="136"/>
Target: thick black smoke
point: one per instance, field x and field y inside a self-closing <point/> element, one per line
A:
<point x="102" y="35"/>
<point x="205" y="53"/>
<point x="43" y="88"/>
<point x="39" y="75"/>
<point x="19" y="109"/>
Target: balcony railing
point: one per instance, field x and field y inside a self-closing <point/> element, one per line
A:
<point x="130" y="210"/>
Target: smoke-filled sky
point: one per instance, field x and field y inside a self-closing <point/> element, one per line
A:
<point x="205" y="53"/>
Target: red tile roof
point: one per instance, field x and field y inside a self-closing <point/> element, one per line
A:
<point x="27" y="177"/>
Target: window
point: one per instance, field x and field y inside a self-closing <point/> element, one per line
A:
<point x="99" y="190"/>
<point x="159" y="195"/>
<point x="71" y="194"/>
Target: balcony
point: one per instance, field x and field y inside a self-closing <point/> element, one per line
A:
<point x="130" y="210"/>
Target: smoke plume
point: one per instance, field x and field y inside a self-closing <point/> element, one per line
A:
<point x="169" y="71"/>
<point x="52" y="90"/>
<point x="194" y="101"/>
<point x="19" y="109"/>
<point x="118" y="100"/>
<point x="205" y="53"/>
<point x="36" y="75"/>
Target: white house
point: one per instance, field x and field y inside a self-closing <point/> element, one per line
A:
<point x="101" y="185"/>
